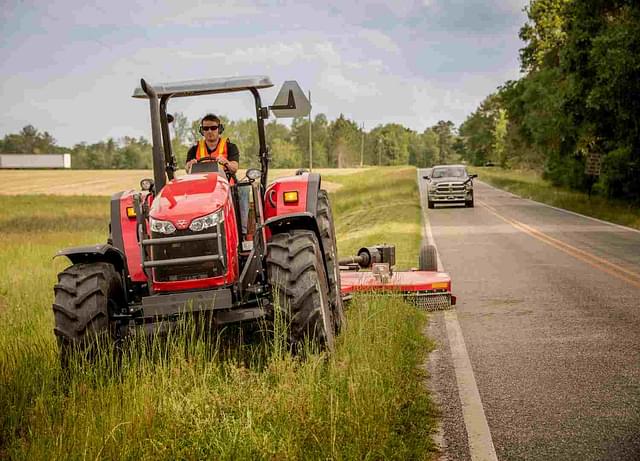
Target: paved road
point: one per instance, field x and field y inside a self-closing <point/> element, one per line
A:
<point x="549" y="306"/>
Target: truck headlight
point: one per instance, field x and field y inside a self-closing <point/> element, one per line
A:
<point x="468" y="186"/>
<point x="205" y="222"/>
<point x="163" y="227"/>
<point x="431" y="188"/>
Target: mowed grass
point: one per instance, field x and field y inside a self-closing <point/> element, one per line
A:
<point x="224" y="398"/>
<point x="380" y="205"/>
<point x="530" y="185"/>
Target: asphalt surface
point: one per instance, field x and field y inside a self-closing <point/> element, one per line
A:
<point x="549" y="307"/>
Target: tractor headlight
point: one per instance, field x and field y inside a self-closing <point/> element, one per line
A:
<point x="205" y="222"/>
<point x="163" y="227"/>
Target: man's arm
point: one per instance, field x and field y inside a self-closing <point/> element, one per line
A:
<point x="191" y="158"/>
<point x="232" y="162"/>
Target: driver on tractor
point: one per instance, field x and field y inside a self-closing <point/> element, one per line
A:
<point x="214" y="147"/>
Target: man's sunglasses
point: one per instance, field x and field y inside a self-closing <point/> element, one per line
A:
<point x="212" y="128"/>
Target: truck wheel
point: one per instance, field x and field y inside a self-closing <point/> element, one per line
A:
<point x="430" y="204"/>
<point x="469" y="203"/>
<point x="296" y="273"/>
<point x="328" y="235"/>
<point x="85" y="296"/>
<point x="428" y="258"/>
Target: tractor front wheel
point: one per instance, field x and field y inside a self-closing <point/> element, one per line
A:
<point x="85" y="296"/>
<point x="296" y="273"/>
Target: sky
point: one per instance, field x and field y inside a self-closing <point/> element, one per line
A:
<point x="69" y="67"/>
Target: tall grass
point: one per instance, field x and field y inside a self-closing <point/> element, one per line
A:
<point x="227" y="396"/>
<point x="530" y="185"/>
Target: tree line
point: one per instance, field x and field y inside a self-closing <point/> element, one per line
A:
<point x="335" y="144"/>
<point x="578" y="100"/>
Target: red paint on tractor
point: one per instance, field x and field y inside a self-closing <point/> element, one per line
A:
<point x="130" y="238"/>
<point x="190" y="197"/>
<point x="352" y="281"/>
<point x="193" y="196"/>
<point x="275" y="196"/>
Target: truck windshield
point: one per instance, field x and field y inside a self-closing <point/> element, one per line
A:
<point x="451" y="172"/>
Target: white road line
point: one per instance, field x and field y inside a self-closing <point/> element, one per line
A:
<point x="561" y="209"/>
<point x="479" y="436"/>
<point x="480" y="442"/>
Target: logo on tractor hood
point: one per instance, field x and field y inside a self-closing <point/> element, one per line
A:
<point x="182" y="223"/>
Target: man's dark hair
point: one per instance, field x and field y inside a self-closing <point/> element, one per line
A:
<point x="210" y="118"/>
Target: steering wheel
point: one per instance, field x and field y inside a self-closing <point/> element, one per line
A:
<point x="211" y="165"/>
<point x="205" y="165"/>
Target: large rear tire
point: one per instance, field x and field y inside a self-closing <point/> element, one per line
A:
<point x="85" y="297"/>
<point x="296" y="273"/>
<point x="428" y="260"/>
<point x="328" y="235"/>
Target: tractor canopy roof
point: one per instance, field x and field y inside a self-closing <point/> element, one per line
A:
<point x="207" y="86"/>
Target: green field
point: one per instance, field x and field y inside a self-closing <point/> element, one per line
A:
<point x="216" y="399"/>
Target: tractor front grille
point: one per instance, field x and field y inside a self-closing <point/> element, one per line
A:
<point x="191" y="270"/>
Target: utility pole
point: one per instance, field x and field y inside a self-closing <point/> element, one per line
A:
<point x="362" y="148"/>
<point x="310" y="140"/>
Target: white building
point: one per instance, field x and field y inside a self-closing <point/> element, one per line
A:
<point x="35" y="161"/>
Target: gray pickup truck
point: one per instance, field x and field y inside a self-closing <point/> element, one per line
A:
<point x="449" y="184"/>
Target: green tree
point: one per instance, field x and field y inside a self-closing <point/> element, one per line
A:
<point x="445" y="132"/>
<point x="500" y="137"/>
<point x="344" y="143"/>
<point x="29" y="141"/>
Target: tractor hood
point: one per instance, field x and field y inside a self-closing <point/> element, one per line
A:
<point x="188" y="197"/>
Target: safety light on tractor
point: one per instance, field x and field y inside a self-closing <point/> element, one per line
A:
<point x="131" y="212"/>
<point x="291" y="197"/>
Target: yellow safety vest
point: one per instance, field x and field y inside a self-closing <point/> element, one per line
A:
<point x="221" y="150"/>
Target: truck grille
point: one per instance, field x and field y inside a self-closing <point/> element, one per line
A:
<point x="450" y="188"/>
<point x="215" y="246"/>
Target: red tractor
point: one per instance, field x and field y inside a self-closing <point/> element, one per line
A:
<point x="176" y="247"/>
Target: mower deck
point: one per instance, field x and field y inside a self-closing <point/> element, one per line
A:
<point x="430" y="290"/>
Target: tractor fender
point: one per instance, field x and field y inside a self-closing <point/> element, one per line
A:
<point x="303" y="220"/>
<point x="101" y="252"/>
<point x="306" y="184"/>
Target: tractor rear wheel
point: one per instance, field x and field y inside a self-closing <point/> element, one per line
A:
<point x="428" y="258"/>
<point x="296" y="272"/>
<point x="328" y="236"/>
<point x="85" y="296"/>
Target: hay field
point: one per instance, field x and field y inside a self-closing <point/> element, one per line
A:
<point x="107" y="182"/>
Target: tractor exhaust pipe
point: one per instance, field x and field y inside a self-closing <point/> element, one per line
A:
<point x="159" y="174"/>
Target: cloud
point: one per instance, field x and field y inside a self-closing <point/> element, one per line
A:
<point x="379" y="40"/>
<point x="70" y="69"/>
